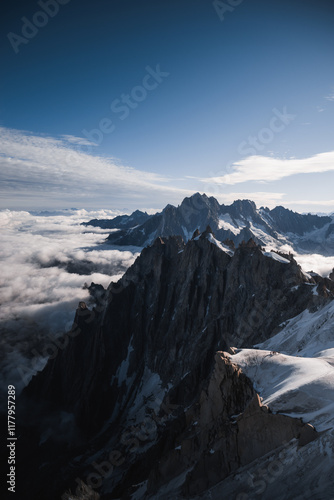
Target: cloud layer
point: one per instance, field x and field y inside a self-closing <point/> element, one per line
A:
<point x="45" y="172"/>
<point x="38" y="295"/>
<point x="36" y="169"/>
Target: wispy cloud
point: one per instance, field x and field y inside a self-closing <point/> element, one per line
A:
<point x="267" y="169"/>
<point x="48" y="169"/>
<point x="330" y="96"/>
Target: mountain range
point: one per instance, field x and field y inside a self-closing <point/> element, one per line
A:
<point x="237" y="222"/>
<point x="153" y="396"/>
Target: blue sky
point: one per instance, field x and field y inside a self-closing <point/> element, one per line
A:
<point x="127" y="104"/>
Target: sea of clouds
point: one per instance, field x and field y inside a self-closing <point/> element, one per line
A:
<point x="46" y="260"/>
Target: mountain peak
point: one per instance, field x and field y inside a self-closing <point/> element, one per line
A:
<point x="244" y="206"/>
<point x="238" y="222"/>
<point x="197" y="200"/>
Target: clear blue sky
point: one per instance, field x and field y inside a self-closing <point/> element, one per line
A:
<point x="226" y="81"/>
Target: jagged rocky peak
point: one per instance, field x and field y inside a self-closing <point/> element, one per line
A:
<point x="174" y="307"/>
<point x="207" y="231"/>
<point x="153" y="339"/>
<point x="239" y="221"/>
<point x="169" y="208"/>
<point x="288" y="221"/>
<point x="250" y="244"/>
<point x="198" y="201"/>
<point x="245" y="208"/>
<point x="230" y="244"/>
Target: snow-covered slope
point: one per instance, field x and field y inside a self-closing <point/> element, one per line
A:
<point x="294" y="370"/>
<point x="297" y="386"/>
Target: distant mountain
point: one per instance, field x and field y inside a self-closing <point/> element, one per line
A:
<point x="238" y="222"/>
<point x="121" y="221"/>
<point x="52" y="213"/>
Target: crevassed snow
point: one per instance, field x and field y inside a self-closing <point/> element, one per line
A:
<point x="222" y="247"/>
<point x="277" y="257"/>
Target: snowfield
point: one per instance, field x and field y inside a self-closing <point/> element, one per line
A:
<point x="299" y="380"/>
<point x="295" y="386"/>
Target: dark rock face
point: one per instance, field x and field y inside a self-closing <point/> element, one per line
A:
<point x="177" y="305"/>
<point x="154" y="335"/>
<point x="238" y="222"/>
<point x="226" y="428"/>
<point x="196" y="212"/>
<point x="287" y="221"/>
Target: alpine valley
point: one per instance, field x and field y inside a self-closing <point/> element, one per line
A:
<point x="205" y="372"/>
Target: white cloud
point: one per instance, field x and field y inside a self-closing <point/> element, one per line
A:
<point x="38" y="295"/>
<point x="317" y="263"/>
<point x="44" y="171"/>
<point x="262" y="168"/>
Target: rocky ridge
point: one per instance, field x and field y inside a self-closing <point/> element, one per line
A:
<point x="151" y="343"/>
<point x="238" y="222"/>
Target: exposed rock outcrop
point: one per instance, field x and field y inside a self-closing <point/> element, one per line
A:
<point x="232" y="429"/>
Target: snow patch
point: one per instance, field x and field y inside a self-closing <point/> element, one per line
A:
<point x="300" y="387"/>
<point x="277" y="257"/>
<point x="187" y="234"/>
<point x="222" y="247"/>
<point x="225" y="222"/>
<point x="149" y="396"/>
